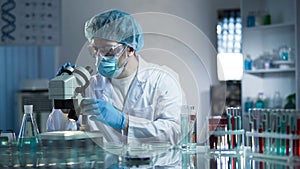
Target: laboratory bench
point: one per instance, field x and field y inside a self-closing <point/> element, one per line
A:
<point x="87" y="153"/>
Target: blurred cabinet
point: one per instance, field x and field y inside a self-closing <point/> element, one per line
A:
<point x="275" y="24"/>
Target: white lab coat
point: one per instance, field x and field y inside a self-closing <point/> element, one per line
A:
<point x="153" y="104"/>
<point x="58" y="121"/>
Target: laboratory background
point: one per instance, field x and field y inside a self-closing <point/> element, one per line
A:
<point x="241" y="58"/>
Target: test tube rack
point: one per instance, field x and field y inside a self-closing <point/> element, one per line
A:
<point x="226" y="135"/>
<point x="274" y="134"/>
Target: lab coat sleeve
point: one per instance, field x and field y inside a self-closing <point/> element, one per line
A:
<point x="56" y="120"/>
<point x="166" y="106"/>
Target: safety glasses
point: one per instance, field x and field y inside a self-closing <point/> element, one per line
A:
<point x="106" y="50"/>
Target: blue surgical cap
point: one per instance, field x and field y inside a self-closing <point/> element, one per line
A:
<point x="116" y="26"/>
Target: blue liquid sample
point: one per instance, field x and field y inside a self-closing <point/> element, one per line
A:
<point x="248" y="64"/>
<point x="250" y="21"/>
<point x="284" y="56"/>
<point x="248" y="105"/>
<point x="260" y="104"/>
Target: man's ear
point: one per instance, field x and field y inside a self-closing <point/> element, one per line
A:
<point x="130" y="51"/>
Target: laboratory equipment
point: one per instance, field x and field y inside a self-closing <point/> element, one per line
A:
<point x="29" y="138"/>
<point x="285" y="53"/>
<point x="248" y="63"/>
<point x="57" y="139"/>
<point x="7" y="137"/>
<point x="274" y="134"/>
<point x="248" y="104"/>
<point x="226" y="135"/>
<point x="260" y="103"/>
<point x="251" y="19"/>
<point x="267" y="17"/>
<point x="68" y="89"/>
<point x="277" y="103"/>
<point x="35" y="92"/>
<point x="187" y="118"/>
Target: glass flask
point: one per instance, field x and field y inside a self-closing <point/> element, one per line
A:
<point x="29" y="139"/>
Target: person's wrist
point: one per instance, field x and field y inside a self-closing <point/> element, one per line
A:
<point x="122" y="125"/>
<point x="127" y="123"/>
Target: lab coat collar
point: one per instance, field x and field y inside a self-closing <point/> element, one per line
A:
<point x="144" y="67"/>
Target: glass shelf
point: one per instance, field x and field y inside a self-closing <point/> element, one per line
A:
<point x="265" y="71"/>
<point x="271" y="26"/>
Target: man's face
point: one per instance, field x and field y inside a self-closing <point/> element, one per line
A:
<point x="102" y="47"/>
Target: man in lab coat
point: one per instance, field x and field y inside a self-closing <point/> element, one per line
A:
<point x="130" y="101"/>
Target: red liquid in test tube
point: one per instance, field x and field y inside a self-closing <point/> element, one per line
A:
<point x="233" y="135"/>
<point x="287" y="140"/>
<point x="261" y="142"/>
<point x="298" y="142"/>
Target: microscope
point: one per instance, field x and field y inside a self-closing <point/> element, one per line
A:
<point x="68" y="89"/>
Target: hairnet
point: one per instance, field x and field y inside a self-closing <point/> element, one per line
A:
<point x="116" y="26"/>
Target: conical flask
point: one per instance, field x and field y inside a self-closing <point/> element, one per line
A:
<point x="29" y="139"/>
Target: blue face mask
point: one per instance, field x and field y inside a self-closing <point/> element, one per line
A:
<point x="108" y="67"/>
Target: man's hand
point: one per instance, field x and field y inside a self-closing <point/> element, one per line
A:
<point x="103" y="111"/>
<point x="64" y="68"/>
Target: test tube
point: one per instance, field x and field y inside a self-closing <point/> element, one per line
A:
<point x="223" y="123"/>
<point x="283" y="131"/>
<point x="251" y="139"/>
<point x="239" y="126"/>
<point x="251" y="127"/>
<point x="288" y="131"/>
<point x="298" y="133"/>
<point x="229" y="126"/>
<point x="261" y="139"/>
<point x="265" y="129"/>
<point x="211" y="141"/>
<point x="255" y="137"/>
<point x="233" y="128"/>
<point x="272" y="129"/>
<point x="293" y="127"/>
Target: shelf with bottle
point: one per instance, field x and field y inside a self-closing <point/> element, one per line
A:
<point x="280" y="60"/>
<point x="226" y="135"/>
<point x="261" y="101"/>
<point x="274" y="134"/>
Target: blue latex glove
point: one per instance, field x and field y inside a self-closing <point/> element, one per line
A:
<point x="103" y="111"/>
<point x="63" y="68"/>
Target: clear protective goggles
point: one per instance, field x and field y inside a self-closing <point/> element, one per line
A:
<point x="109" y="51"/>
<point x="106" y="50"/>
